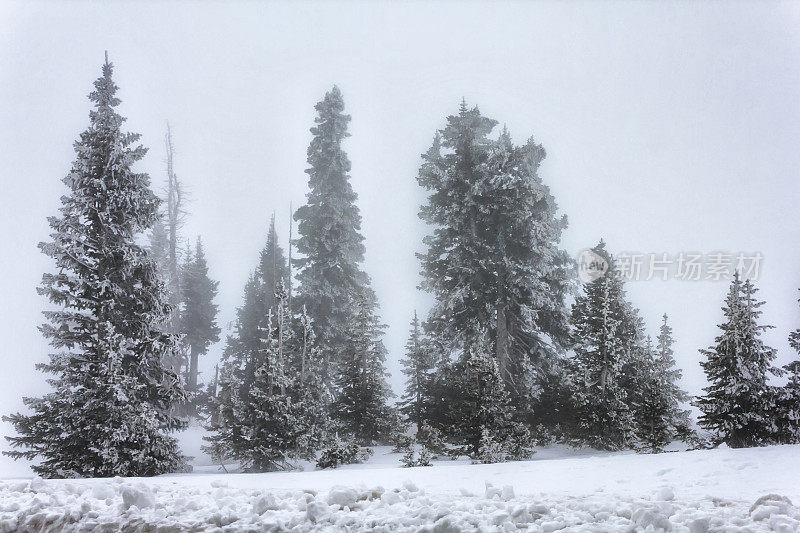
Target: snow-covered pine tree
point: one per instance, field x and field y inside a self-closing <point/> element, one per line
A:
<point x="109" y="412"/>
<point x="199" y="313"/>
<point x="330" y="242"/>
<point x="492" y="260"/>
<point x="272" y="267"/>
<point x="660" y="418"/>
<point x="268" y="417"/>
<point x="787" y="399"/>
<point x="653" y="429"/>
<point x="271" y="417"/>
<point x="307" y="389"/>
<point x="605" y="336"/>
<point x="679" y="418"/>
<point x="240" y="360"/>
<point x="271" y="404"/>
<point x="482" y="409"/>
<point x="787" y="403"/>
<point x="241" y="353"/>
<point x="417" y="366"/>
<point x="158" y="248"/>
<point x="361" y="405"/>
<point x="737" y="404"/>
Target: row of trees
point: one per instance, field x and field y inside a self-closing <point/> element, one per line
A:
<point x="488" y="366"/>
<point x="190" y="291"/>
<point x="500" y="363"/>
<point x="301" y="372"/>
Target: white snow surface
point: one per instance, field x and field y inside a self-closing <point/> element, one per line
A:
<point x="559" y="489"/>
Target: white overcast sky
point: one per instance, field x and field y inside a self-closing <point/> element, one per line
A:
<point x="669" y="127"/>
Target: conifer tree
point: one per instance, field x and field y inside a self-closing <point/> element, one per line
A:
<point x="240" y="360"/>
<point x="417" y="366"/>
<point x="480" y="419"/>
<point x="272" y="267"/>
<point x="109" y="412"/>
<point x="270" y="408"/>
<point x="330" y="242"/>
<point x="787" y="399"/>
<point x="158" y="248"/>
<point x="737" y="404"/>
<point x="787" y="403"/>
<point x="605" y="336"/>
<point x="361" y="404"/>
<point x="493" y="261"/>
<point x="660" y="418"/>
<point x="199" y="314"/>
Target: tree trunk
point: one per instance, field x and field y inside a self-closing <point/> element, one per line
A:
<point x="502" y="342"/>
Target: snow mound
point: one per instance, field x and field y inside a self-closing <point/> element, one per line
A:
<point x="124" y="505"/>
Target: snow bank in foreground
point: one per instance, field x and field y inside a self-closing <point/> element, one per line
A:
<point x="711" y="490"/>
<point x="119" y="505"/>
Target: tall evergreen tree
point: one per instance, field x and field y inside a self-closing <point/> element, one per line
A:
<point x="272" y="268"/>
<point x="480" y="417"/>
<point x="661" y="418"/>
<point x="270" y="413"/>
<point x="787" y="399"/>
<point x="240" y="360"/>
<point x="109" y="411"/>
<point x="199" y="313"/>
<point x="159" y="248"/>
<point x="606" y="339"/>
<point x="417" y="366"/>
<point x="493" y="260"/>
<point x="787" y="404"/>
<point x="330" y="242"/>
<point x="361" y="404"/>
<point x="737" y="403"/>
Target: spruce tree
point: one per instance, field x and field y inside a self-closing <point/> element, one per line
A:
<point x="361" y="404"/>
<point x="159" y="247"/>
<point x="492" y="261"/>
<point x="738" y="403"/>
<point x="109" y="412"/>
<point x="417" y="366"/>
<point x="480" y="418"/>
<point x="199" y="313"/>
<point x="605" y="336"/>
<point x="330" y="242"/>
<point x="272" y="268"/>
<point x="240" y="360"/>
<point x="660" y="417"/>
<point x="270" y="408"/>
<point x="787" y="399"/>
<point x="787" y="403"/>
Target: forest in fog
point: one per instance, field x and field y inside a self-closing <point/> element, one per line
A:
<point x="524" y="345"/>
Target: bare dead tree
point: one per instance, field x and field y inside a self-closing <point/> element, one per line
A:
<point x="175" y="217"/>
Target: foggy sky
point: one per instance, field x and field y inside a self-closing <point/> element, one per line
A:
<point x="669" y="127"/>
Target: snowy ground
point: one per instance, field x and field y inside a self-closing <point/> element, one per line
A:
<point x="558" y="490"/>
